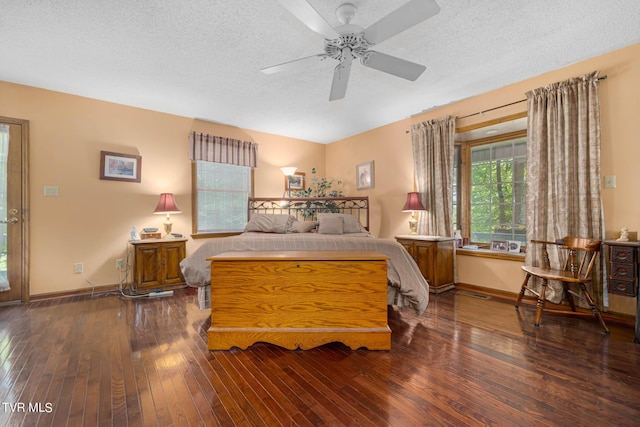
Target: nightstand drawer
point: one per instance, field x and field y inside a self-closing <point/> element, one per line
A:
<point x="623" y="271"/>
<point x="623" y="254"/>
<point x="623" y="287"/>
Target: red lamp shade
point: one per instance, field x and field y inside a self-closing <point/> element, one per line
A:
<point x="413" y="203"/>
<point x="167" y="204"/>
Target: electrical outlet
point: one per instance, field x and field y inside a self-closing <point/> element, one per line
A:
<point x="77" y="268"/>
<point x="118" y="263"/>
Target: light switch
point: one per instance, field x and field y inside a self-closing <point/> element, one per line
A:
<point x="610" y="181"/>
<point x="50" y="191"/>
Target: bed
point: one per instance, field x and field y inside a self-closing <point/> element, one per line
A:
<point x="305" y="224"/>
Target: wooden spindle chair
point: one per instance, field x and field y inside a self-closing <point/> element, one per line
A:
<point x="579" y="256"/>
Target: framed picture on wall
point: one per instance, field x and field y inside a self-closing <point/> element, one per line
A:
<point x="294" y="182"/>
<point x="365" y="176"/>
<point x="120" y="167"/>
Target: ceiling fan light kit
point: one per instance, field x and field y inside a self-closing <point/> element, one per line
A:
<point x="346" y="12"/>
<point x="347" y="42"/>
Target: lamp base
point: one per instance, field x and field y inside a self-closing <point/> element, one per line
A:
<point x="167" y="229"/>
<point x="413" y="226"/>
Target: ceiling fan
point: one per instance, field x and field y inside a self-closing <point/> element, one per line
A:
<point x="347" y="42"/>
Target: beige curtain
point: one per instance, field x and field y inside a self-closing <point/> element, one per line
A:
<point x="563" y="169"/>
<point x="433" y="143"/>
<point x="218" y="149"/>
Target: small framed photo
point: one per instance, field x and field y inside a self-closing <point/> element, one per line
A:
<point x="294" y="182"/>
<point x="514" y="246"/>
<point x="365" y="176"/>
<point x="120" y="167"/>
<point x="499" y="245"/>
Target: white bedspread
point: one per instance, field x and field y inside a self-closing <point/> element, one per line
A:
<point x="407" y="286"/>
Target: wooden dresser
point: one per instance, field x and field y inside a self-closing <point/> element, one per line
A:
<point x="434" y="256"/>
<point x="622" y="268"/>
<point x="299" y="299"/>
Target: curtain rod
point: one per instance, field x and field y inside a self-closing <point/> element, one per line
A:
<point x="505" y="105"/>
<point x="494" y="108"/>
<point x="508" y="105"/>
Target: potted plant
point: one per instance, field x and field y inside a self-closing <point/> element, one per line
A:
<point x="319" y="187"/>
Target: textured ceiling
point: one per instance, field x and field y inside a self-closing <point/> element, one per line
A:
<point x="202" y="58"/>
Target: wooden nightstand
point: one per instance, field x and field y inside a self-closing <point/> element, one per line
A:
<point x="622" y="264"/>
<point x="622" y="268"/>
<point x="434" y="257"/>
<point x="157" y="262"/>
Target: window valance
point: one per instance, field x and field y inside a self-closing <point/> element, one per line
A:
<point x="211" y="148"/>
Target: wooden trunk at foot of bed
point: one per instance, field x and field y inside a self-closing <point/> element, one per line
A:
<point x="299" y="299"/>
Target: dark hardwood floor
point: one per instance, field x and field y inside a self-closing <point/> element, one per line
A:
<point x="105" y="360"/>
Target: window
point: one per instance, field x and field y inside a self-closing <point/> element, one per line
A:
<point x="497" y="201"/>
<point x="489" y="187"/>
<point x="221" y="193"/>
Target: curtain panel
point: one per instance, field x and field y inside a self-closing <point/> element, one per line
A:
<point x="563" y="171"/>
<point x="433" y="149"/>
<point x="218" y="149"/>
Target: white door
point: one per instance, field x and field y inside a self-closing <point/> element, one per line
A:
<point x="14" y="281"/>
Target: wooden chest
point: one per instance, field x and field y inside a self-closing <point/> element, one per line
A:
<point x="299" y="299"/>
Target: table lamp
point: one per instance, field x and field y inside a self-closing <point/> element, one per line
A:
<point x="167" y="205"/>
<point x="289" y="170"/>
<point x="413" y="204"/>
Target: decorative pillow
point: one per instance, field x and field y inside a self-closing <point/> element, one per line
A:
<point x="350" y="222"/>
<point x="301" y="227"/>
<point x="330" y="225"/>
<point x="269" y="223"/>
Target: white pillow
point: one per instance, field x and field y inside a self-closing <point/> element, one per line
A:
<point x="269" y="223"/>
<point x="301" y="227"/>
<point x="330" y="225"/>
<point x="350" y="222"/>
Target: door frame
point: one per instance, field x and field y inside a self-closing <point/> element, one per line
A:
<point x="25" y="215"/>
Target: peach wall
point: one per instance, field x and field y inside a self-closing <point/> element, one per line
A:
<point x="90" y="220"/>
<point x="390" y="148"/>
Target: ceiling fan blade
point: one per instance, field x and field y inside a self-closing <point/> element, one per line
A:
<point x="310" y="17"/>
<point x="341" y="77"/>
<point x="296" y="63"/>
<point x="406" y="16"/>
<point x="392" y="65"/>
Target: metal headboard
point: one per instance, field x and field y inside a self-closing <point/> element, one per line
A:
<point x="307" y="208"/>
